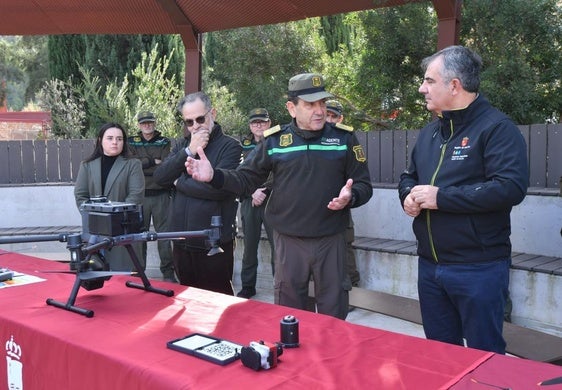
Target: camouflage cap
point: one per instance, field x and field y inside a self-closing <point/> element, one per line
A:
<point x="308" y="87"/>
<point x="258" y="114"/>
<point x="335" y="107"/>
<point x="145" y="116"/>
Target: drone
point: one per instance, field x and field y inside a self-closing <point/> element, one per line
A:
<point x="107" y="224"/>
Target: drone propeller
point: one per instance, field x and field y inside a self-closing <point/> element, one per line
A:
<point x="87" y="275"/>
<point x="215" y="250"/>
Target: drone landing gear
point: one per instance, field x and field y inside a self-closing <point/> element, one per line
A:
<point x="145" y="282"/>
<point x="93" y="276"/>
<point x="69" y="305"/>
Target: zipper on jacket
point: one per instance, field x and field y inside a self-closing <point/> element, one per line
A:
<point x="427" y="213"/>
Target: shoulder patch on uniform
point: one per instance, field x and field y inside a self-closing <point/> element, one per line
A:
<point x="344" y="127"/>
<point x="272" y="130"/>
<point x="359" y="153"/>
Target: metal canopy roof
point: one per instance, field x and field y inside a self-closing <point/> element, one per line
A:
<point x="189" y="18"/>
<point x="44" y="17"/>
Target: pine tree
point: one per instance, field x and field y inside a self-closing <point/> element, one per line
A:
<point x="66" y="54"/>
<point x="335" y="32"/>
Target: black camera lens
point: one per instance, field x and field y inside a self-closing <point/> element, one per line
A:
<point x="250" y="358"/>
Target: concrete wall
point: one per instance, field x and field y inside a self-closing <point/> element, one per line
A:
<point x="535" y="223"/>
<point x="38" y="206"/>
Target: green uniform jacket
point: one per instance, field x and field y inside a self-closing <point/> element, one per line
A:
<point x="309" y="169"/>
<point x="156" y="148"/>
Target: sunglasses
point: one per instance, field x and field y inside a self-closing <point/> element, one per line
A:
<point x="200" y="119"/>
<point x="258" y="123"/>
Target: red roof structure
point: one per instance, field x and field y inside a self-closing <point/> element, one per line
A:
<point x="189" y="18"/>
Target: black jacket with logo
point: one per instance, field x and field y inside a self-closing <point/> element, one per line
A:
<point x="478" y="159"/>
<point x="309" y="169"/>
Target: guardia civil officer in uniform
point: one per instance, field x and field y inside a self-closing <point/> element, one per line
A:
<point x="151" y="148"/>
<point x="252" y="208"/>
<point x="320" y="172"/>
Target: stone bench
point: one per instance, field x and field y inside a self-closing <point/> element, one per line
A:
<point x="521" y="261"/>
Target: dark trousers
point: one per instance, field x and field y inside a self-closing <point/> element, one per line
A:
<point x="155" y="207"/>
<point x="197" y="269"/>
<point x="252" y="219"/>
<point x="323" y="258"/>
<point x="464" y="301"/>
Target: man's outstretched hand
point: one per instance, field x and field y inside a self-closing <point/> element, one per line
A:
<point x="200" y="170"/>
<point x="344" y="197"/>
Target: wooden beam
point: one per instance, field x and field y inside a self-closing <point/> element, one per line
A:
<point x="193" y="59"/>
<point x="448" y="27"/>
<point x="192" y="43"/>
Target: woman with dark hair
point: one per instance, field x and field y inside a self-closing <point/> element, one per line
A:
<point x="109" y="172"/>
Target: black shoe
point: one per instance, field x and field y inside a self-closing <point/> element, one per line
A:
<point x="246" y="292"/>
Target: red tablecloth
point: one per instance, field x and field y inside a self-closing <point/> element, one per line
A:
<point x="507" y="372"/>
<point x="124" y="345"/>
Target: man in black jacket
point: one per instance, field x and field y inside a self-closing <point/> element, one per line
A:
<point x="468" y="169"/>
<point x="194" y="203"/>
<point x="319" y="173"/>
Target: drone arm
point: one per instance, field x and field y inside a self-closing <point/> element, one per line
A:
<point x="61" y="237"/>
<point x="106" y="242"/>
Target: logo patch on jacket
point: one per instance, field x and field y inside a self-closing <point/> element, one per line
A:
<point x="286" y="140"/>
<point x="331" y="141"/>
<point x="247" y="142"/>
<point x="359" y="153"/>
<point x="460" y="153"/>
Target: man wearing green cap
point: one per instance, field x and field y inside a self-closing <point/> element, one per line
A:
<point x="334" y="114"/>
<point x="151" y="148"/>
<point x="320" y="172"/>
<point x="252" y="209"/>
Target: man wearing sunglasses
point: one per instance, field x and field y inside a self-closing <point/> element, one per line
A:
<point x="320" y="172"/>
<point x="194" y="203"/>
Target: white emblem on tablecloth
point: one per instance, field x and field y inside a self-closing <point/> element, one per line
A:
<point x="14" y="367"/>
